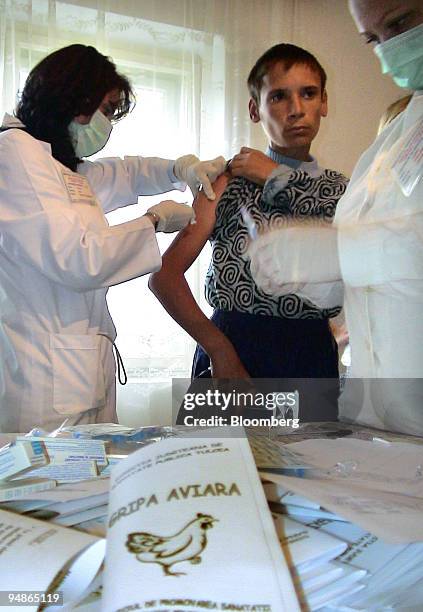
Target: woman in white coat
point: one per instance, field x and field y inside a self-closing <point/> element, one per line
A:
<point x="376" y="244"/>
<point x="58" y="255"/>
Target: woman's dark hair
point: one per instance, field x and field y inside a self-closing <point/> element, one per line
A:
<point x="69" y="82"/>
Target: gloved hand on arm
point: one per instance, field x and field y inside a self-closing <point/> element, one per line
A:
<point x="194" y="172"/>
<point x="169" y="216"/>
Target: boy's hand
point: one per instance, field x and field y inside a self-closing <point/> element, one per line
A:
<point x="228" y="365"/>
<point x="252" y="165"/>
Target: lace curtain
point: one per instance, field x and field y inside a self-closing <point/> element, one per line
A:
<point x="188" y="61"/>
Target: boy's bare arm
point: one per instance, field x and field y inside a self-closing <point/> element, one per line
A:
<point x="172" y="290"/>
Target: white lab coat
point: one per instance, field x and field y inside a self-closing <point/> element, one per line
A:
<point x="58" y="256"/>
<point x="379" y="242"/>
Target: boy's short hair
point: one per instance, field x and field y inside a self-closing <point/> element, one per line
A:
<point x="287" y="54"/>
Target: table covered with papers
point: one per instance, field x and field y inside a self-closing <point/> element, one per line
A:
<point x="334" y="525"/>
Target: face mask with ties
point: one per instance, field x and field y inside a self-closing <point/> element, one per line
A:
<point x="402" y="58"/>
<point x="89" y="138"/>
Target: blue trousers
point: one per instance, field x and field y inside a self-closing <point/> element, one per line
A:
<point x="276" y="347"/>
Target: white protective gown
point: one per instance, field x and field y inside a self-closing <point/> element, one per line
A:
<point x="379" y="242"/>
<point x="58" y="256"/>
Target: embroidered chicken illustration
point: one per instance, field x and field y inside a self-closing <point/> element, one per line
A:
<point x="185" y="545"/>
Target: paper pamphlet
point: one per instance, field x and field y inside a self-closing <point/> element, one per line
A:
<point x="307" y="550"/>
<point x="23" y="488"/>
<point x="97" y="526"/>
<point x="393" y="517"/>
<point x="398" y="586"/>
<point x="296" y="512"/>
<point x="304" y="547"/>
<point x="91" y="600"/>
<point x="281" y="495"/>
<point x="73" y="491"/>
<point x="284" y="502"/>
<point x="33" y="554"/>
<point x="319" y="576"/>
<point x="24" y="505"/>
<point x="188" y="527"/>
<point x="364" y="550"/>
<point x="378" y="485"/>
<point x="72" y="506"/>
<point x="393" y="570"/>
<point x="64" y="500"/>
<point x="344" y="586"/>
<point x="81" y="517"/>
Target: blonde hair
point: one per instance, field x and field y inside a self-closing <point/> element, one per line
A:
<point x="392" y="111"/>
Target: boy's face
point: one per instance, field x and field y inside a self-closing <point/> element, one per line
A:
<point x="291" y="106"/>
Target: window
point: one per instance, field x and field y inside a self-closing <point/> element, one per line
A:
<point x="160" y="125"/>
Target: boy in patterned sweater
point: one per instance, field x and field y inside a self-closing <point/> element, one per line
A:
<point x="252" y="334"/>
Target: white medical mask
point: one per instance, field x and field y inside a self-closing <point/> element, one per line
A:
<point x="402" y="57"/>
<point x="89" y="138"/>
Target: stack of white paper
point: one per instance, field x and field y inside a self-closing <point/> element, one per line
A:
<point x="23" y="487"/>
<point x="310" y="554"/>
<point x="394" y="571"/>
<point x="391" y="574"/>
<point x="68" y="504"/>
<point x="74" y="511"/>
<point x="286" y="502"/>
<point x="377" y="485"/>
<point x="306" y="548"/>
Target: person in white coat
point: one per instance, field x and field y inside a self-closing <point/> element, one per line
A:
<point x="58" y="254"/>
<point x="376" y="244"/>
